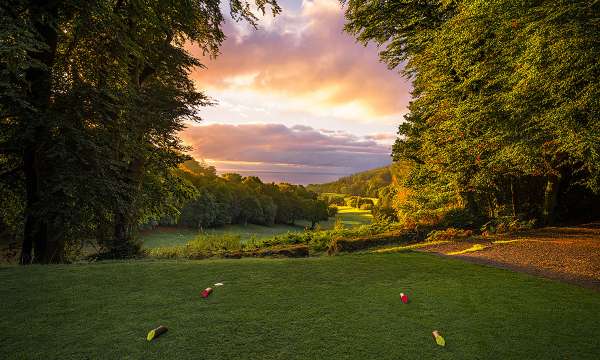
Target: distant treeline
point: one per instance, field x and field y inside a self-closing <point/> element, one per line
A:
<point x="234" y="199"/>
<point x="366" y="183"/>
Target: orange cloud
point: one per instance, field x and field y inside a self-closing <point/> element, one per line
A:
<point x="305" y="54"/>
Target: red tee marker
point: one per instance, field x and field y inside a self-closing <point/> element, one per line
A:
<point x="206" y="292"/>
<point x="404" y="298"/>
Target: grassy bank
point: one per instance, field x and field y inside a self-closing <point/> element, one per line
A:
<point x="344" y="307"/>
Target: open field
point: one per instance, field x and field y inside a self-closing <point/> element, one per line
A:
<point x="180" y="236"/>
<point x="327" y="307"/>
<point x="349" y="216"/>
<point x="330" y="194"/>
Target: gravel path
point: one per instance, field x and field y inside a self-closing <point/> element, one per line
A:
<point x="570" y="254"/>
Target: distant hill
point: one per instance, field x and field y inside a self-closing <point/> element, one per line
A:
<point x="366" y="183"/>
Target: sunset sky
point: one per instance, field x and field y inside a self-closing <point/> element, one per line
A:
<point x="298" y="99"/>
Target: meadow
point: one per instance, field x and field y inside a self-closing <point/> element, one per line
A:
<point x="324" y="307"/>
<point x="348" y="216"/>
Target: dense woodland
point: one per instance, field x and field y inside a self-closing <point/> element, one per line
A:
<point x="91" y="100"/>
<point x="233" y="199"/>
<point x="365" y="183"/>
<point x="503" y="123"/>
<point x="504" y="117"/>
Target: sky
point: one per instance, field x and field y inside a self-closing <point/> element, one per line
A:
<point x="298" y="99"/>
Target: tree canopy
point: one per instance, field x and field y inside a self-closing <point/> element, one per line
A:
<point x="234" y="199"/>
<point x="91" y="100"/>
<point x="504" y="116"/>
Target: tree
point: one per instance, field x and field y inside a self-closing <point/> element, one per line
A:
<point x="250" y="210"/>
<point x="315" y="211"/>
<point x="201" y="212"/>
<point x="502" y="99"/>
<point x="92" y="99"/>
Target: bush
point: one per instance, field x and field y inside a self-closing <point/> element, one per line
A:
<point x="215" y="243"/>
<point x="282" y="251"/>
<point x="506" y="224"/>
<point x="231" y="246"/>
<point x="109" y="248"/>
<point x="449" y="234"/>
<point x="383" y="213"/>
<point x="360" y="243"/>
<point x="289" y="244"/>
<point x="460" y="218"/>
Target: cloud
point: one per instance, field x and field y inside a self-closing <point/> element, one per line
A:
<point x="303" y="58"/>
<point x="301" y="153"/>
<point x="382" y="137"/>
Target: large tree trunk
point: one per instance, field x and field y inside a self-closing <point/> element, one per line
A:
<point x="550" y="199"/>
<point x="125" y="219"/>
<point x="470" y="204"/>
<point x="43" y="14"/>
<point x="34" y="230"/>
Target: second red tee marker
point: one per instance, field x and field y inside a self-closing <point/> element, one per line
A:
<point x="404" y="298"/>
<point x="206" y="292"/>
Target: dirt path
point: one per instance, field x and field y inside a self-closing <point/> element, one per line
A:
<point x="570" y="254"/>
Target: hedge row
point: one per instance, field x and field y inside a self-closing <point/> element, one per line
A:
<point x="292" y="251"/>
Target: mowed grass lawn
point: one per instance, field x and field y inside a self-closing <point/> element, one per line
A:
<point x="343" y="307"/>
<point x="349" y="216"/>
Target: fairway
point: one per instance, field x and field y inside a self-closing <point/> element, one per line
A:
<point x="344" y="307"/>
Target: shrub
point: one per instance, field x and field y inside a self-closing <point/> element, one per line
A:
<point x="170" y="252"/>
<point x="339" y="244"/>
<point x="383" y="213"/>
<point x="230" y="246"/>
<point x="449" y="234"/>
<point x="460" y="218"/>
<point x="282" y="251"/>
<point x="506" y="224"/>
<point x="215" y="243"/>
<point x="111" y="249"/>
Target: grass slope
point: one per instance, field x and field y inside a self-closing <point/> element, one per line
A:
<point x="343" y="307"/>
<point x="181" y="236"/>
<point x="349" y="216"/>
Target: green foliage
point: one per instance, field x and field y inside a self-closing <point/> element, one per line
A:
<point x="321" y="240"/>
<point x="449" y="234"/>
<point x="202" y="246"/>
<point x="333" y="198"/>
<point x="92" y="99"/>
<point x="365" y="184"/>
<point x="234" y="199"/>
<point x="505" y="97"/>
<point x="506" y="224"/>
<point x="11" y="214"/>
<point x="216" y="243"/>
